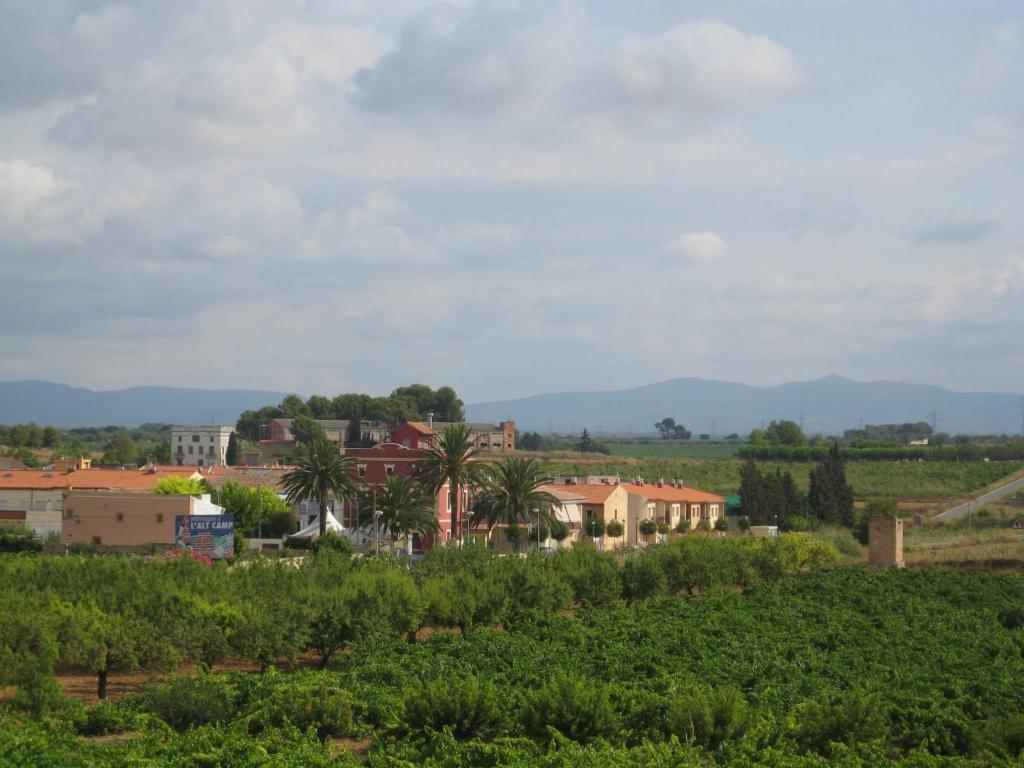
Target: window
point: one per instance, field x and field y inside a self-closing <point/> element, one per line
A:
<point x="362" y="470"/>
<point x="69" y="514"/>
<point x="159" y="517"/>
<point x="97" y="541"/>
<point x="179" y="438"/>
<point x="120" y="517"/>
<point x="191" y="450"/>
<point x="210" y="451"/>
<point x="211" y="438"/>
<point x="405" y="442"/>
<point x="181" y="448"/>
<point x="389" y="469"/>
<point x="195" y="438"/>
<point x="199" y="462"/>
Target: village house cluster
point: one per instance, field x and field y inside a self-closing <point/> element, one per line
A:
<point x="117" y="509"/>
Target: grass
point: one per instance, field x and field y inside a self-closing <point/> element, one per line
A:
<point x="673" y="449"/>
<point x="918" y="480"/>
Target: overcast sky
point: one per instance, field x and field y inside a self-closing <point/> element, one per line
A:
<point x="511" y="197"/>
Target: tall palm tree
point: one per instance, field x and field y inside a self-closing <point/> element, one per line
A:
<point x="321" y="473"/>
<point x="450" y="460"/>
<point x="404" y="509"/>
<point x="512" y="496"/>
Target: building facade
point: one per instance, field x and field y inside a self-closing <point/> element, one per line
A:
<point x="200" y="446"/>
<point x="492" y="437"/>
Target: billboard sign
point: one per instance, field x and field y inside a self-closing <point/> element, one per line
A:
<point x="213" y="535"/>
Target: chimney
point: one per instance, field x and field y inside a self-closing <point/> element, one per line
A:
<point x="660" y="482"/>
<point x="430" y="420"/>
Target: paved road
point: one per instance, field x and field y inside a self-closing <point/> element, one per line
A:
<point x="987" y="498"/>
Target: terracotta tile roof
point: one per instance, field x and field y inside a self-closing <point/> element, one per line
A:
<point x="248" y="477"/>
<point x="671" y="493"/>
<point x="91" y="479"/>
<point x="596" y="493"/>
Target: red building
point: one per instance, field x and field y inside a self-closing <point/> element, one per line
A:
<point x="375" y="465"/>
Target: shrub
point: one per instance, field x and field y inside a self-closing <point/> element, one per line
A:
<point x="663" y="528"/>
<point x="851" y="719"/>
<point x="105" y="717"/>
<point x="310" y="702"/>
<point x="188" y="702"/>
<point x="593" y="575"/>
<point x="708" y="718"/>
<point x="614" y="528"/>
<point x="467" y="706"/>
<point x="721" y="524"/>
<point x="648" y="527"/>
<point x="683" y="526"/>
<point x="1004" y="736"/>
<point x="16" y="538"/>
<point x="579" y="709"/>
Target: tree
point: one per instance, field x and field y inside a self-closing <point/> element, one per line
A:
<point x="307" y="430"/>
<point x="120" y="449"/>
<point x="232" y="453"/>
<point x="354" y="431"/>
<point x="450" y="460"/>
<point x="321" y="473"/>
<point x="404" y="509"/>
<point x="666" y="426"/>
<point x="512" y="496"/>
<point x="784" y="433"/>
<point x="249" y="423"/>
<point x="251" y="506"/>
<point x="181" y="486"/>
<point x="585" y="445"/>
<point x="830" y="498"/>
<point x="320" y="407"/>
<point x="293" y="406"/>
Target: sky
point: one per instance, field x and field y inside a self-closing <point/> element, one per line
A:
<point x="511" y="197"/>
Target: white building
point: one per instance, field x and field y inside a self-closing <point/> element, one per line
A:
<point x="200" y="446"/>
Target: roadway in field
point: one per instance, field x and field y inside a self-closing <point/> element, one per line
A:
<point x="962" y="510"/>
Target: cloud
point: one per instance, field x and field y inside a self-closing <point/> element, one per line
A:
<point x="699" y="246"/>
<point x="953" y="231"/>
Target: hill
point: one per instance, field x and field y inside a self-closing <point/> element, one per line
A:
<point x="59" y="405"/>
<point x="829" y="406"/>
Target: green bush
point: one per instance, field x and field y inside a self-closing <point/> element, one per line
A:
<point x="578" y="708"/>
<point x="188" y="702"/>
<point x="850" y="719"/>
<point x="469" y="707"/>
<point x="1004" y="736"/>
<point x="303" y="702"/>
<point x="613" y="529"/>
<point x="17" y="538"/>
<point x="708" y="718"/>
<point x="642" y="577"/>
<point x="105" y="717"/>
<point x="593" y="575"/>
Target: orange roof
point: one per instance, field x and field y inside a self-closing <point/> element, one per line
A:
<point x="594" y="493"/>
<point x="667" y="492"/>
<point x="564" y="492"/>
<point x="91" y="479"/>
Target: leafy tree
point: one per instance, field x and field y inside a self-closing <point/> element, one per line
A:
<point x="321" y="473"/>
<point x="251" y="506"/>
<point x="249" y="423"/>
<point x="181" y="486"/>
<point x="614" y="529"/>
<point x="293" y="407"/>
<point x="468" y="706"/>
<point x="231" y="456"/>
<point x="512" y="496"/>
<point x="642" y="577"/>
<point x="120" y="449"/>
<point x="307" y="430"/>
<point x="579" y="709"/>
<point x="320" y="407"/>
<point x="784" y="433"/>
<point x="50" y="437"/>
<point x="450" y="460"/>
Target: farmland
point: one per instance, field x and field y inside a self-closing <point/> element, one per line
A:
<point x="839" y="667"/>
<point x="921" y="480"/>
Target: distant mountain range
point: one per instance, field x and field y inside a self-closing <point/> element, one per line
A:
<point x="828" y="406"/>
<point x="59" y="405"/>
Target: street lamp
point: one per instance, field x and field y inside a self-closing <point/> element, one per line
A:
<point x="377" y="514"/>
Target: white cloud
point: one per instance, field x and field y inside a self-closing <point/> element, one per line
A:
<point x="699" y="246"/>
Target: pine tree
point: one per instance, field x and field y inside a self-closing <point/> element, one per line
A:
<point x="354" y="432"/>
<point x="232" y="453"/>
<point x="585" y="445"/>
<point x="830" y="498"/>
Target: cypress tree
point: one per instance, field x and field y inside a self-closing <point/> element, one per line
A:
<point x="231" y="456"/>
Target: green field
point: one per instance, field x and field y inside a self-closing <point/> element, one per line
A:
<point x="672" y="449"/>
<point x="926" y="481"/>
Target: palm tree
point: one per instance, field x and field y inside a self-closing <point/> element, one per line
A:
<point x="404" y="509"/>
<point x="321" y="473"/>
<point x="449" y="460"/>
<point x="512" y="496"/>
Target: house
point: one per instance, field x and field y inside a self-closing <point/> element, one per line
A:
<point x="494" y="437"/>
<point x="128" y="522"/>
<point x="200" y="446"/>
<point x="606" y="501"/>
<point x="280" y="430"/>
<point x="375" y="465"/>
<point x="670" y="503"/>
<point x="35" y="497"/>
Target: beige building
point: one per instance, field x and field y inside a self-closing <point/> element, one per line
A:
<point x="670" y="503"/>
<point x="128" y="522"/>
<point x="607" y="501"/>
<point x="200" y="446"/>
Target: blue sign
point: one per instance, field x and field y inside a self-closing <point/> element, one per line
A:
<point x="213" y="535"/>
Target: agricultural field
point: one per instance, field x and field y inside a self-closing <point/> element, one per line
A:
<point x="829" y="666"/>
<point x="671" y="449"/>
<point x="870" y="479"/>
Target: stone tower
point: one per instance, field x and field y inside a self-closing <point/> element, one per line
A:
<point x="885" y="541"/>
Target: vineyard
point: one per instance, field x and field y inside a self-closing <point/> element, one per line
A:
<point x="702" y="652"/>
<point x="923" y="480"/>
